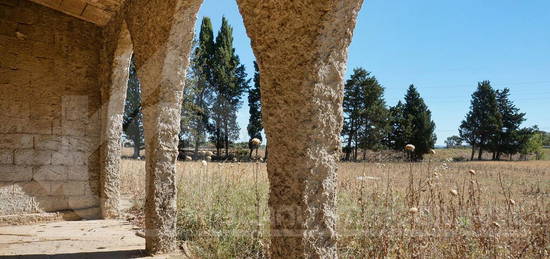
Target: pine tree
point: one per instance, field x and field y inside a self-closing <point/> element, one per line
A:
<point x="133" y="118"/>
<point x="229" y="84"/>
<point x="422" y="127"/>
<point x="352" y="106"/>
<point x="255" y="126"/>
<point x="400" y="128"/>
<point x="365" y="114"/>
<point x="507" y="138"/>
<point x="453" y="141"/>
<point x="468" y="132"/>
<point x="483" y="121"/>
<point x="373" y="116"/>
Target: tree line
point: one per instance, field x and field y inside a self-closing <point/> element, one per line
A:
<point x="215" y="84"/>
<point x="493" y="124"/>
<point x="369" y="124"/>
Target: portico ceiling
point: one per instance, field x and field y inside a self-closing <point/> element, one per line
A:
<point x="95" y="11"/>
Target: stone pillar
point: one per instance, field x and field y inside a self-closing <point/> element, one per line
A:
<point x="162" y="32"/>
<point x="116" y="57"/>
<point x="301" y="47"/>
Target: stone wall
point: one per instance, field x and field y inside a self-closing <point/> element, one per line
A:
<point x="49" y="110"/>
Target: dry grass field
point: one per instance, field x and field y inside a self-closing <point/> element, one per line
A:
<point x="395" y="210"/>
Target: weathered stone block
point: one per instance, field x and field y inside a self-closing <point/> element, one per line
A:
<point x="6" y="156"/>
<point x="15" y="173"/>
<point x="78" y="173"/>
<point x="45" y="111"/>
<point x="70" y="158"/>
<point x="26" y="16"/>
<point x="85" y="144"/>
<point x="16" y="109"/>
<point x="13" y="141"/>
<point x="34" y="188"/>
<point x="73" y="128"/>
<point x="39" y="126"/>
<point x="27" y="62"/>
<point x="43" y="68"/>
<point x="32" y="157"/>
<point x="74" y="107"/>
<point x="81" y="202"/>
<point x="12" y="125"/>
<point x="52" y="203"/>
<point x="69" y="188"/>
<point x="56" y="127"/>
<point x="50" y="173"/>
<point x="94" y="187"/>
<point x="48" y="142"/>
<point x="43" y="50"/>
<point x="47" y="89"/>
<point x="93" y="128"/>
<point x="18" y="77"/>
<point x="21" y="110"/>
<point x="73" y="188"/>
<point x="8" y="60"/>
<point x="8" y="28"/>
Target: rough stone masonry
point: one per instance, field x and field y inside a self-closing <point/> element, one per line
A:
<point x="49" y="98"/>
<point x="63" y="76"/>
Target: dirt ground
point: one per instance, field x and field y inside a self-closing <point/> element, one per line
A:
<point x="72" y="239"/>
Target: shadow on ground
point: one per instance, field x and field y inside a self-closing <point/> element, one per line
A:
<point x="88" y="255"/>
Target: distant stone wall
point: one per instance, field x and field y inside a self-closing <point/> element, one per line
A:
<point x="49" y="110"/>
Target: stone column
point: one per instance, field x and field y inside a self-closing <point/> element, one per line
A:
<point x="116" y="57"/>
<point x="301" y="47"/>
<point x="162" y="33"/>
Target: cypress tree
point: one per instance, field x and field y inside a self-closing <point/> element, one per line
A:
<point x="255" y="126"/>
<point x="229" y="78"/>
<point x="202" y="72"/>
<point x="133" y="118"/>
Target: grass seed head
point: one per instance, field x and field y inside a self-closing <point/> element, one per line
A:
<point x="204" y="163"/>
<point x="413" y="210"/>
<point x="454" y="192"/>
<point x="256" y="142"/>
<point x="432" y="151"/>
<point x="512" y="202"/>
<point x="472" y="171"/>
<point x="495" y="224"/>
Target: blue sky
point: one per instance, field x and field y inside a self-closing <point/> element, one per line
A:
<point x="442" y="47"/>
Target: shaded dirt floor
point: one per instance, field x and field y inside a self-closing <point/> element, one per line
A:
<point x="73" y="239"/>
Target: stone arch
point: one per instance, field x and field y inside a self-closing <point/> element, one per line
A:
<point x="301" y="48"/>
<point x="161" y="51"/>
<point x="112" y="130"/>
